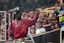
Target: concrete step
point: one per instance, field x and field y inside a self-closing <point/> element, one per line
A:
<point x="63" y="41"/>
<point x="9" y="41"/>
<point x="27" y="41"/>
<point x="2" y="41"/>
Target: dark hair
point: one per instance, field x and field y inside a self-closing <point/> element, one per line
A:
<point x="15" y="15"/>
<point x="18" y="12"/>
<point x="39" y="22"/>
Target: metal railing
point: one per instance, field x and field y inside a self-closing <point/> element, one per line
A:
<point x="3" y="23"/>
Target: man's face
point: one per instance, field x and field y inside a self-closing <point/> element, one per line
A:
<point x="32" y="13"/>
<point x="62" y="13"/>
<point x="39" y="25"/>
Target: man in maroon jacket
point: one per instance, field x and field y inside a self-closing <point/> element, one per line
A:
<point x="19" y="26"/>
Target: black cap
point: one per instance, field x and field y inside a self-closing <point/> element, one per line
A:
<point x="18" y="12"/>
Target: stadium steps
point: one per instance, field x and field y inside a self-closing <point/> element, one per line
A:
<point x="27" y="41"/>
<point x="2" y="41"/>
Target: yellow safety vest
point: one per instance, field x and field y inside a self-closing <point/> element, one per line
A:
<point x="61" y="19"/>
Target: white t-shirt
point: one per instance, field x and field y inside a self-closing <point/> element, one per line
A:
<point x="40" y="30"/>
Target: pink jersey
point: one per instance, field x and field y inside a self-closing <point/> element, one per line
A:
<point x="21" y="30"/>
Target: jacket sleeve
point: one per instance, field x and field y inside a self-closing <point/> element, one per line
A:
<point x="29" y="23"/>
<point x="33" y="21"/>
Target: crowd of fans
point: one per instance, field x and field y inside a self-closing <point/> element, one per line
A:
<point x="48" y="18"/>
<point x="2" y="27"/>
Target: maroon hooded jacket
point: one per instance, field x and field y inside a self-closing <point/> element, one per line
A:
<point x="21" y="30"/>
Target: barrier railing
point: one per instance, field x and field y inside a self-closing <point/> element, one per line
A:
<point x="8" y="19"/>
<point x="48" y="37"/>
<point x="3" y="23"/>
<point x="62" y="34"/>
<point x="2" y="26"/>
<point x="43" y="37"/>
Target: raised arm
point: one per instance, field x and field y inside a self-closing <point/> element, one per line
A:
<point x="47" y="25"/>
<point x="33" y="21"/>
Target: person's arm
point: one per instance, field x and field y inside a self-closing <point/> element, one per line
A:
<point x="53" y="18"/>
<point x="29" y="23"/>
<point x="52" y="8"/>
<point x="33" y="21"/>
<point x="47" y="25"/>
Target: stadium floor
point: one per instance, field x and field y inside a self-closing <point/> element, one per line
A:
<point x="63" y="41"/>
